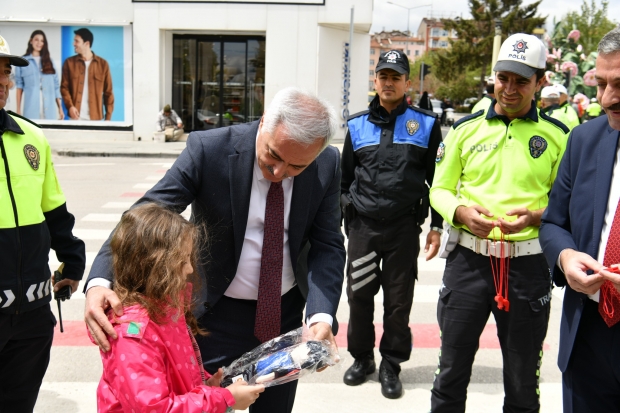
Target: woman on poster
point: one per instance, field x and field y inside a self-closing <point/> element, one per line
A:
<point x="38" y="84"/>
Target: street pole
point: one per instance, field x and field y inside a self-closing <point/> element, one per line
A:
<point x="421" y="77"/>
<point x="497" y="41"/>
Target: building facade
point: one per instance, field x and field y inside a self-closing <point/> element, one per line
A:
<point x="435" y="36"/>
<point x="216" y="63"/>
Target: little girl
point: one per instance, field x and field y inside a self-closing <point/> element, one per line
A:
<point x="155" y="364"/>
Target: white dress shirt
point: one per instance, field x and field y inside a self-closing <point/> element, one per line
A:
<point x="245" y="283"/>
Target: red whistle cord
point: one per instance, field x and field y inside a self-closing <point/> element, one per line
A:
<point x="500" y="266"/>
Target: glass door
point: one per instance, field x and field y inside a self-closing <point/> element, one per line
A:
<point x="218" y="80"/>
<point x="208" y="98"/>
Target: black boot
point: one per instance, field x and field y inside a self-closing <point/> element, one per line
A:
<point x="356" y="374"/>
<point x="391" y="386"/>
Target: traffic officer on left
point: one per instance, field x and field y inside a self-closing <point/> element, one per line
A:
<point x="388" y="163"/>
<point x="33" y="218"/>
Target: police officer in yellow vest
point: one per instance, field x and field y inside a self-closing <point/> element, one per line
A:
<point x="505" y="163"/>
<point x="566" y="108"/>
<point x="484" y="103"/>
<point x="550" y="105"/>
<point x="594" y="109"/>
<point x="33" y="218"/>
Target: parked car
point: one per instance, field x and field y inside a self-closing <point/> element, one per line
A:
<point x="436" y="106"/>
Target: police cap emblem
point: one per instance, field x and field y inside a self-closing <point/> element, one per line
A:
<point x="412" y="126"/>
<point x="520" y="46"/>
<point x="32" y="156"/>
<point x="441" y="151"/>
<point x="538" y="145"/>
<point x="391" y="56"/>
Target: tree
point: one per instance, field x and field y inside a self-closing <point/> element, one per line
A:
<point x="572" y="48"/>
<point x="592" y="23"/>
<point x="474" y="48"/>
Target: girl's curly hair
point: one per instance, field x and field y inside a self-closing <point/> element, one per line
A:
<point x="149" y="249"/>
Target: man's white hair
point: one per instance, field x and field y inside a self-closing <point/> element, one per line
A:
<point x="610" y="43"/>
<point x="305" y="118"/>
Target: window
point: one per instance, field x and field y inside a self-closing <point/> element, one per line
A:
<point x="372" y="62"/>
<point x="417" y="53"/>
<point x="408" y="52"/>
<point x="372" y="51"/>
<point x="371" y="72"/>
<point x="371" y="85"/>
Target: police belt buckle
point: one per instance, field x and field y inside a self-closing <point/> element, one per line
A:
<point x="507" y="249"/>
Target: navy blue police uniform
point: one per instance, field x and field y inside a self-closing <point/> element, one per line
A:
<point x="388" y="163"/>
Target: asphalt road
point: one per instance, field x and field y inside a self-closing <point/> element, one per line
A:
<point x="98" y="190"/>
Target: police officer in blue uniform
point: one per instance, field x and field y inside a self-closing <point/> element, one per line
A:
<point x="388" y="163"/>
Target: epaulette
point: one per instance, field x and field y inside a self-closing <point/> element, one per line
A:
<point x="358" y="114"/>
<point x="556" y="122"/>
<point x="21" y="117"/>
<point x="468" y="118"/>
<point x="424" y="111"/>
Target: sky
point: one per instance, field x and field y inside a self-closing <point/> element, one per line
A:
<point x="392" y="17"/>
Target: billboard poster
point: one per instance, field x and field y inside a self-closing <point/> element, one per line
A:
<point x="78" y="75"/>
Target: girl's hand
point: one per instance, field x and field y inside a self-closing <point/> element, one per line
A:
<point x="214" y="381"/>
<point x="244" y="395"/>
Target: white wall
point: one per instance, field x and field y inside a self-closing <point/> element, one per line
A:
<point x="69" y="11"/>
<point x="330" y="77"/>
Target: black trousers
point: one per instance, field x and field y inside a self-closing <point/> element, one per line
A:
<point x="382" y="255"/>
<point x="591" y="382"/>
<point x="230" y="324"/>
<point x="465" y="301"/>
<point x="25" y="343"/>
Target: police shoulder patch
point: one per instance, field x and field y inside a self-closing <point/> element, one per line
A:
<point x="538" y="145"/>
<point x="32" y="156"/>
<point x="441" y="151"/>
<point x="412" y="126"/>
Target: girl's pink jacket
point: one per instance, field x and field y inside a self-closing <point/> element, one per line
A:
<point x="152" y="368"/>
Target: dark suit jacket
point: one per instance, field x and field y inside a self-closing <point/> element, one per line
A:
<point x="574" y="217"/>
<point x="214" y="174"/>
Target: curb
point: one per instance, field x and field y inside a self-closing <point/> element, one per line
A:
<point x="107" y="154"/>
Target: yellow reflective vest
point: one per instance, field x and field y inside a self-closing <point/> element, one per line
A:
<point x="500" y="166"/>
<point x="33" y="218"/>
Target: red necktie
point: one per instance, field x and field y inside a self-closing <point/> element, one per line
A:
<point x="609" y="300"/>
<point x="267" y="323"/>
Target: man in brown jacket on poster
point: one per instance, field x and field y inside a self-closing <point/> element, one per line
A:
<point x="86" y="95"/>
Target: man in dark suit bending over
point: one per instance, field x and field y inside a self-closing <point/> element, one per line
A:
<point x="580" y="237"/>
<point x="268" y="192"/>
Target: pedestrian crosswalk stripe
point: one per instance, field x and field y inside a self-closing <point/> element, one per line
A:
<point x="54" y="263"/>
<point x="102" y="217"/>
<point x="117" y="205"/>
<point x="92" y="234"/>
<point x="148" y="185"/>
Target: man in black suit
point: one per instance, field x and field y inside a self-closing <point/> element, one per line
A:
<point x="227" y="175"/>
<point x="580" y="237"/>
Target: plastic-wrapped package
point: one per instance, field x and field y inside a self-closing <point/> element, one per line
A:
<point x="282" y="359"/>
